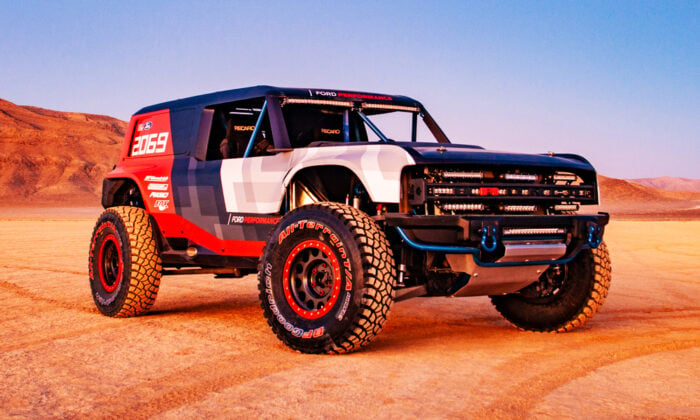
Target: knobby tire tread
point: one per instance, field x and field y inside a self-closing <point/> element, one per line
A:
<point x="378" y="272"/>
<point x="146" y="265"/>
<point x="600" y="259"/>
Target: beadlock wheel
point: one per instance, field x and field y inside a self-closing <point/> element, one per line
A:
<point x="311" y="279"/>
<point x="326" y="279"/>
<point x="110" y="266"/>
<point x="124" y="262"/>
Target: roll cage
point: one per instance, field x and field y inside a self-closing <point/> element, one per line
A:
<point x="352" y="118"/>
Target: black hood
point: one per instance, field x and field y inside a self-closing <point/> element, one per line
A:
<point x="425" y="153"/>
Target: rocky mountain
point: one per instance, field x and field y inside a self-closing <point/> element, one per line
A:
<point x="55" y="157"/>
<point x="670" y="183"/>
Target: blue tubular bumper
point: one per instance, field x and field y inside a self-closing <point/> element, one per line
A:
<point x="485" y="237"/>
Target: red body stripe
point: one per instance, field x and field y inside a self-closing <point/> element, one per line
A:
<point x="175" y="226"/>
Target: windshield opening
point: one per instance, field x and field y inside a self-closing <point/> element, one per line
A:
<point x="337" y="122"/>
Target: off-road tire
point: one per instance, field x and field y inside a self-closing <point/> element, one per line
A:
<point x="124" y="262"/>
<point x="356" y="267"/>
<point x="584" y="289"/>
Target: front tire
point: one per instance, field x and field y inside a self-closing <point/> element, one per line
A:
<point x="326" y="279"/>
<point x="565" y="297"/>
<point x="124" y="263"/>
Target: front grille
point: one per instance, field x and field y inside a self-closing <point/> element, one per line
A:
<point x="457" y="190"/>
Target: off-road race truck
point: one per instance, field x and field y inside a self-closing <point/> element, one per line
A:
<point x="343" y="203"/>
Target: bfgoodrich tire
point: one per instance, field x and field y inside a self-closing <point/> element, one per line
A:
<point x="326" y="279"/>
<point x="125" y="267"/>
<point x="564" y="298"/>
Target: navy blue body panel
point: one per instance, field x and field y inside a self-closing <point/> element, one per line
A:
<point x="470" y="155"/>
<point x="199" y="198"/>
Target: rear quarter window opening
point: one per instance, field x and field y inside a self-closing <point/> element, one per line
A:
<point x="232" y="126"/>
<point x="307" y="124"/>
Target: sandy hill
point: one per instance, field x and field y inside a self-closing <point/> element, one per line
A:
<point x="670" y="183"/>
<point x="55" y="157"/>
<point x="627" y="198"/>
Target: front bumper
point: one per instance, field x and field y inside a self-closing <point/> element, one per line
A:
<point x="502" y="240"/>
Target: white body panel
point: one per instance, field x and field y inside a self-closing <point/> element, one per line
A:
<point x="256" y="185"/>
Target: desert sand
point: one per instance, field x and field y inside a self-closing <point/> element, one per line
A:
<point x="206" y="351"/>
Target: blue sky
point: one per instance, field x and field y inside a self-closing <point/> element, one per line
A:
<point x="615" y="81"/>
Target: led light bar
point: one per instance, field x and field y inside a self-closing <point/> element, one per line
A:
<point x="316" y="102"/>
<point x="519" y="208"/>
<point x="391" y="107"/>
<point x="520" y="177"/>
<point x="565" y="177"/>
<point x="533" y="231"/>
<point x="487" y="191"/>
<point x="566" y="207"/>
<point x="461" y="175"/>
<point x="461" y="206"/>
<point x="443" y="190"/>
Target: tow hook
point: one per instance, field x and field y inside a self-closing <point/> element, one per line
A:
<point x="594" y="235"/>
<point x="488" y="235"/>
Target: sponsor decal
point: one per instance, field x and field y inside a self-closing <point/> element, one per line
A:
<point x="148" y="144"/>
<point x="345" y="268"/>
<point x="364" y="96"/>
<point x="261" y="220"/>
<point x="296" y="331"/>
<point x="104" y="301"/>
<point x="349" y="95"/>
<point x="326" y="93"/>
<point x="157" y="187"/>
<point x="306" y="224"/>
<point x="234" y="219"/>
<point x="344" y="308"/>
<point x="145" y="126"/>
<point x="162" y="205"/>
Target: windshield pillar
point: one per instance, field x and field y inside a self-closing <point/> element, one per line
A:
<point x="414" y="127"/>
<point x="346" y="126"/>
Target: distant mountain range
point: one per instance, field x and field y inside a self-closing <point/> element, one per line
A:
<point x="52" y="158"/>
<point x="632" y="199"/>
<point x="670" y="184"/>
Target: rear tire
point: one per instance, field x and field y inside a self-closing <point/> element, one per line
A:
<point x="326" y="279"/>
<point x="125" y="266"/>
<point x="564" y="298"/>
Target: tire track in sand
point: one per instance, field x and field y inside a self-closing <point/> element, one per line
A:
<point x="515" y="400"/>
<point x="24" y="293"/>
<point x="50" y="270"/>
<point x="190" y="385"/>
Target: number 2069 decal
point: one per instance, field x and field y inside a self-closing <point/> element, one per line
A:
<point x="148" y="144"/>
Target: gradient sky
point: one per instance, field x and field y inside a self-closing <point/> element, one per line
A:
<point x="615" y="81"/>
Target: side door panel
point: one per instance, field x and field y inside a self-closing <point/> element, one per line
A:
<point x="255" y="184"/>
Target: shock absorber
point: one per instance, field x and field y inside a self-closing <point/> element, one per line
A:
<point x="358" y="193"/>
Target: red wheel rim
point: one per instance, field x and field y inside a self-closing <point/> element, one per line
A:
<point x="311" y="279"/>
<point x="109" y="263"/>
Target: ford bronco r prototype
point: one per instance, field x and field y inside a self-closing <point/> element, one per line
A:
<point x="343" y="202"/>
